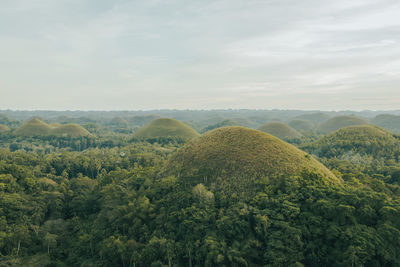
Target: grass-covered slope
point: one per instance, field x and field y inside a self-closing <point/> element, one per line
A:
<point x="388" y="121"/>
<point x="339" y="122"/>
<point x="33" y="127"/>
<point x="3" y="128"/>
<point x="73" y="130"/>
<point x="353" y="142"/>
<point x="165" y="127"/>
<point x="280" y="130"/>
<point x="301" y="125"/>
<point x="241" y="152"/>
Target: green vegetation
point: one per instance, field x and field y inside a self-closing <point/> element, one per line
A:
<point x="339" y="122"/>
<point x="302" y="125"/>
<point x="388" y="121"/>
<point x="165" y="127"/>
<point x="241" y="152"/>
<point x="280" y="130"/>
<point x="230" y="197"/>
<point x="3" y="128"/>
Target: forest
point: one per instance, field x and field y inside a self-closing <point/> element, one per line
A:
<point x="199" y="188"/>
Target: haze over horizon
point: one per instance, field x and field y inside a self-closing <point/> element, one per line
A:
<point x="132" y="55"/>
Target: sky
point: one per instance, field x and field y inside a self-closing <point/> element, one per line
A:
<point x="187" y="54"/>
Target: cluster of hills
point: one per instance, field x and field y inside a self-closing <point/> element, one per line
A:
<point x="36" y="127"/>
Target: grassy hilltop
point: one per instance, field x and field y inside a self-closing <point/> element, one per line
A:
<point x="339" y="122"/>
<point x="280" y="130"/>
<point x="71" y="129"/>
<point x="239" y="151"/>
<point x="165" y="127"/>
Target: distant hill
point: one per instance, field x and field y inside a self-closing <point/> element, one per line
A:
<point x="6" y="120"/>
<point x="36" y="127"/>
<point x="118" y="121"/>
<point x="353" y="142"/>
<point x="339" y="122"/>
<point x="33" y="127"/>
<point x="239" y="155"/>
<point x="165" y="127"/>
<point x="280" y="130"/>
<point x="302" y="125"/>
<point x="141" y="120"/>
<point x="73" y="130"/>
<point x="388" y="121"/>
<point x="3" y="128"/>
<point x="315" y="118"/>
<point x="223" y="123"/>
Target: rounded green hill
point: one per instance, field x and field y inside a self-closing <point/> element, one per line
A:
<point x="73" y="130"/>
<point x="388" y="121"/>
<point x="3" y="128"/>
<point x="339" y="122"/>
<point x="301" y="125"/>
<point x="238" y="152"/>
<point x="33" y="127"/>
<point x="165" y="127"/>
<point x="280" y="130"/>
<point x="118" y="121"/>
<point x="356" y="140"/>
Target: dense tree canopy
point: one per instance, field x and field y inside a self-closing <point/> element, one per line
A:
<point x="107" y="200"/>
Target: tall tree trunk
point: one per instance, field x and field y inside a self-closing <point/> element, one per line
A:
<point x="19" y="246"/>
<point x="190" y="259"/>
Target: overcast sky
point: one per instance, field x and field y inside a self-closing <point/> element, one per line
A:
<point x="150" y="54"/>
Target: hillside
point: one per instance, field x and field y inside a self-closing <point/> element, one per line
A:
<point x="388" y="121"/>
<point x="280" y="130"/>
<point x="234" y="152"/>
<point x="33" y="127"/>
<point x="302" y="125"/>
<point x="3" y="128"/>
<point x="165" y="127"/>
<point x="339" y="122"/>
<point x="73" y="130"/>
<point x="354" y="142"/>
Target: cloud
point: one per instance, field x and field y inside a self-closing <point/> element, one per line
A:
<point x="200" y="54"/>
